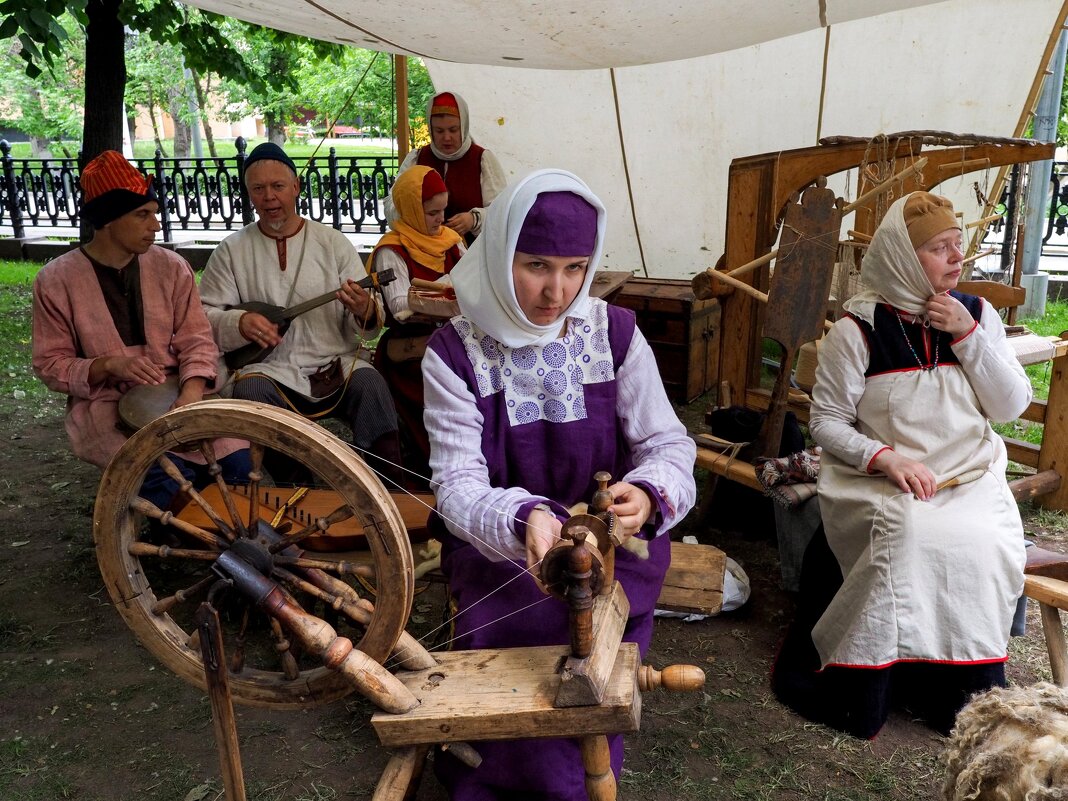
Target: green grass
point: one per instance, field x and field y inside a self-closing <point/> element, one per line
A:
<point x="227" y="149"/>
<point x="16" y="376"/>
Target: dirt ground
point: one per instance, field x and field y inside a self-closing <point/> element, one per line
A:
<point x="87" y="713"/>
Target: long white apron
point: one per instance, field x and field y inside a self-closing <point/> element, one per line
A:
<point x="930" y="580"/>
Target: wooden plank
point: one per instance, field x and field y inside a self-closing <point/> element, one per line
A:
<point x="694" y="581"/>
<point x="1046" y="590"/>
<point x="722" y="465"/>
<point x="1054" y="453"/>
<point x="583" y="681"/>
<point x="1035" y="411"/>
<point x="507" y="694"/>
<point x="606" y="282"/>
<point x="1025" y="453"/>
<point x="999" y="295"/>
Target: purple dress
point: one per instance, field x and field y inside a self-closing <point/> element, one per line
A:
<point x="556" y="460"/>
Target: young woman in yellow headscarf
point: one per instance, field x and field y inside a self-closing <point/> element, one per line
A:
<point x="418" y="246"/>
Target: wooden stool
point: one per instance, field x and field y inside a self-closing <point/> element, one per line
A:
<point x="1052" y="596"/>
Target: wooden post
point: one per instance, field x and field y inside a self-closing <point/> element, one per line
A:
<point x="1054" y="452"/>
<point x="403" y="129"/>
<point x="222" y="707"/>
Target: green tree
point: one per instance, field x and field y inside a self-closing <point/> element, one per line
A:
<point x="42" y="106"/>
<point x="35" y="23"/>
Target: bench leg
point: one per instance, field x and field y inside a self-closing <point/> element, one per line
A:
<point x="1055" y="644"/>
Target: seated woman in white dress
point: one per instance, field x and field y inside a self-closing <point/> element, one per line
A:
<point x="911" y="593"/>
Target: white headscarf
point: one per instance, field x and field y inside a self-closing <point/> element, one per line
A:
<point x="483" y="277"/>
<point x="465" y="132"/>
<point x="891" y="271"/>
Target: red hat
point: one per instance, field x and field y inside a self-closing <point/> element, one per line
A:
<point x="444" y="103"/>
<point x="433" y="185"/>
<point x="112" y="187"/>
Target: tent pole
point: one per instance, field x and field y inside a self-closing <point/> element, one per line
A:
<point x="403" y="132"/>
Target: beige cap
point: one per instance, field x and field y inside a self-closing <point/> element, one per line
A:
<point x="928" y="215"/>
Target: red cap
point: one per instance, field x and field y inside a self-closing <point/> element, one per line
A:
<point x="433" y="185"/>
<point x="444" y="103"/>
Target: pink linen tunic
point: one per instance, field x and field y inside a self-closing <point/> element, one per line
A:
<point x="72" y="326"/>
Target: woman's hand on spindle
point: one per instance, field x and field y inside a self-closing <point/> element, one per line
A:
<point x="632" y="507"/>
<point x="543" y="529"/>
<point x="908" y="474"/>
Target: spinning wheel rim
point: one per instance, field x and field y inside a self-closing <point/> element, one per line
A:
<point x="115" y="527"/>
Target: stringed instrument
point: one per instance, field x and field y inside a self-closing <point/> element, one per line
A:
<point x="282" y="317"/>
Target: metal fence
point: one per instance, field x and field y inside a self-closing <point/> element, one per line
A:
<point x="346" y="192"/>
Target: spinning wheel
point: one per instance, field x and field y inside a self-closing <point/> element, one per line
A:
<point x="156" y="587"/>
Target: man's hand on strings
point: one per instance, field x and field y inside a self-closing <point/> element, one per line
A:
<point x="632" y="507"/>
<point x="358" y="301"/>
<point x="543" y="530"/>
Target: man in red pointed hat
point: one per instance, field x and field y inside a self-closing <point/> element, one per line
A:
<point x="120" y="312"/>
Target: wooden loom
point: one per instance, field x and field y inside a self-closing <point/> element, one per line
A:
<point x="447" y="699"/>
<point x="759" y="197"/>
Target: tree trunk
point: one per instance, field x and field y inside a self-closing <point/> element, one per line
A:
<point x="155" y="122"/>
<point x="202" y="104"/>
<point x="183" y="133"/>
<point x="276" y="131"/>
<point x="105" y="84"/>
<point x="131" y="124"/>
<point x="105" y="79"/>
<point x="39" y="147"/>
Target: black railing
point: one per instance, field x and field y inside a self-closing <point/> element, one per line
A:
<point x="346" y="192"/>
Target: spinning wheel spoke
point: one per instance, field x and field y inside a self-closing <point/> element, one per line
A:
<point x="277" y="654"/>
<point x="281" y="644"/>
<point x="207" y="450"/>
<point x="165" y="605"/>
<point x="341" y="567"/>
<point x="186" y="486"/>
<point x="149" y="509"/>
<point x="255" y="476"/>
<point x="320" y="526"/>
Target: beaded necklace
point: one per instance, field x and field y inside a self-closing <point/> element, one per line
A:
<point x="926" y="324"/>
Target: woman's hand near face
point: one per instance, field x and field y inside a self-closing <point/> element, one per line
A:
<point x="908" y="474"/>
<point x="632" y="507"/>
<point x="948" y="314"/>
<point x="543" y="530"/>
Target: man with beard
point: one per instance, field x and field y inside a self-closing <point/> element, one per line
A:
<point x="315" y="367"/>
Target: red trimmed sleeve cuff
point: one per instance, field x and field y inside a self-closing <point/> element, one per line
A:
<point x="962" y="337"/>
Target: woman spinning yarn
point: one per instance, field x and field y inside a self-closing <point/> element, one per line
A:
<point x="529" y="393"/>
<point x="916" y="594"/>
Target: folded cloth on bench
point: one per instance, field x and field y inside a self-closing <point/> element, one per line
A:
<point x="789" y="480"/>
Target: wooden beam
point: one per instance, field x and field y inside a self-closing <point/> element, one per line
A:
<point x="1028" y="487"/>
<point x="1025" y="453"/>
<point x="721" y="464"/>
<point x="404" y="134"/>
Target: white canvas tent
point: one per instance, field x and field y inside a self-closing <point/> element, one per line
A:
<point x="650" y="102"/>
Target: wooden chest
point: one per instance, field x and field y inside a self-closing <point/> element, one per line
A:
<point x="682" y="331"/>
